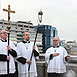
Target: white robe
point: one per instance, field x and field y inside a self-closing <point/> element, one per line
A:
<point x="3" y="64"/>
<point x="26" y="53"/>
<point x="57" y="64"/>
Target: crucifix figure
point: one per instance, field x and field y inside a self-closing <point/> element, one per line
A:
<point x="8" y="27"/>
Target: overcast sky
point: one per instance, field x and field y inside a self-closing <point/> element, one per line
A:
<point x="61" y="14"/>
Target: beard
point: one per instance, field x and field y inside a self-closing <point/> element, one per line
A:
<point x="27" y="39"/>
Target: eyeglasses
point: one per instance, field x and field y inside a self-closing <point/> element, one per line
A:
<point x="4" y="33"/>
<point x="55" y="40"/>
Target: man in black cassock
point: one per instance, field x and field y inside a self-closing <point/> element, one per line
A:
<point x="4" y="49"/>
<point x="56" y="57"/>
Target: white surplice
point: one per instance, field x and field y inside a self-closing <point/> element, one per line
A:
<point x="3" y="64"/>
<point x="57" y="64"/>
<point x="25" y="50"/>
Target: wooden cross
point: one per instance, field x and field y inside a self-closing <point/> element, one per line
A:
<point x="9" y="11"/>
<point x="8" y="27"/>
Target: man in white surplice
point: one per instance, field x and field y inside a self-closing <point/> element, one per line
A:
<point x="24" y="51"/>
<point x="56" y="56"/>
<point x="4" y="49"/>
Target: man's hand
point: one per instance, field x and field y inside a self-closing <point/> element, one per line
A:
<point x="8" y="58"/>
<point x="9" y="48"/>
<point x="34" y="48"/>
<point x="28" y="61"/>
<point x="55" y="54"/>
<point x="68" y="57"/>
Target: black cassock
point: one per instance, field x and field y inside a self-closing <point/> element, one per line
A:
<point x="3" y="59"/>
<point x="55" y="75"/>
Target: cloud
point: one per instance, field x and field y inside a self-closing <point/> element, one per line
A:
<point x="59" y="13"/>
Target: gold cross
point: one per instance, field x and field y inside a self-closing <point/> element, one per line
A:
<point x="9" y="11"/>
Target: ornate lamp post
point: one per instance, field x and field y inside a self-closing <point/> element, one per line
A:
<point x="40" y="13"/>
<point x="40" y="20"/>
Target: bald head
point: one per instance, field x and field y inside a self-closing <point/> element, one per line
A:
<point x="55" y="38"/>
<point x="3" y="34"/>
<point x="3" y="30"/>
<point x="55" y="41"/>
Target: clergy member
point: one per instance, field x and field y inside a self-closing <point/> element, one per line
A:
<point x="24" y="51"/>
<point x="4" y="49"/>
<point x="56" y="57"/>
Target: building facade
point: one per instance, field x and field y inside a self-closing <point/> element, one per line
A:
<point x="17" y="29"/>
<point x="48" y="33"/>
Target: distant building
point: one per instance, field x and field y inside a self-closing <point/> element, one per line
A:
<point x="72" y="45"/>
<point x="48" y="32"/>
<point x="17" y="28"/>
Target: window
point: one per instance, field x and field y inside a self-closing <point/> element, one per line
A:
<point x="20" y="25"/>
<point x="0" y="22"/>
